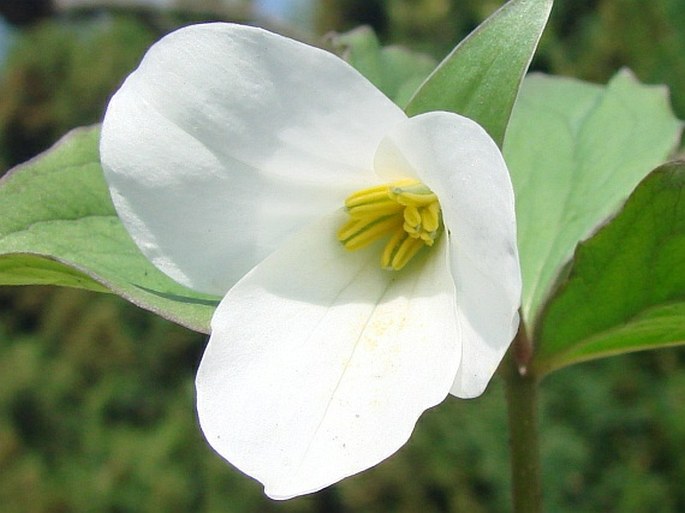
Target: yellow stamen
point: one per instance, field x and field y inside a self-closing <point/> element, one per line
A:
<point x="412" y="216"/>
<point x="405" y="252"/>
<point x="430" y="217"/>
<point x="391" y="248"/>
<point x="371" y="194"/>
<point x="406" y="210"/>
<point x="387" y="207"/>
<point x="413" y="194"/>
<point x="359" y="233"/>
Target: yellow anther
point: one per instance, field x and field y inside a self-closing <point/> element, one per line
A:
<point x="427" y="238"/>
<point x="415" y="193"/>
<point x="385" y="207"/>
<point x="372" y="194"/>
<point x="401" y="248"/>
<point x="409" y="248"/>
<point x="413" y="231"/>
<point x="362" y="197"/>
<point x="356" y="234"/>
<point x="430" y="217"/>
<point x="391" y="248"/>
<point x="412" y="216"/>
<point x="406" y="210"/>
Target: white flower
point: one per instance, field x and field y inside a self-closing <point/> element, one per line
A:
<point x="229" y="154"/>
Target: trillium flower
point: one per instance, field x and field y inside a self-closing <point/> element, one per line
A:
<point x="230" y="154"/>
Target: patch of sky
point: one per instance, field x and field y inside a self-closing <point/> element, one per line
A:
<point x="6" y="39"/>
<point x="299" y="13"/>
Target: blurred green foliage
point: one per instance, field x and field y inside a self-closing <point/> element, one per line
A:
<point x="587" y="39"/>
<point x="590" y="39"/>
<point x="59" y="76"/>
<point x="96" y="396"/>
<point x="97" y="415"/>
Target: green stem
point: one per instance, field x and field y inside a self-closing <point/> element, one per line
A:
<point x="521" y="393"/>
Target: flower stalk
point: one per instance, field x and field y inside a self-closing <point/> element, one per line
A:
<point x="521" y="393"/>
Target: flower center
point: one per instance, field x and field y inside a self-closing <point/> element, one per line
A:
<point x="407" y="211"/>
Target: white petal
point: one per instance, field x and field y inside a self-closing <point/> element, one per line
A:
<point x="227" y="139"/>
<point x="457" y="159"/>
<point x="320" y="363"/>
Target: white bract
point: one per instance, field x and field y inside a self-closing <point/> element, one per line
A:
<point x="229" y="154"/>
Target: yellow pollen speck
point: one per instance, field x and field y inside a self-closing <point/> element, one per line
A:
<point x="407" y="211"/>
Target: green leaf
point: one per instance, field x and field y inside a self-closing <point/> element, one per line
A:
<point x="481" y="77"/>
<point x="58" y="226"/>
<point x="394" y="70"/>
<point x="575" y="152"/>
<point x="626" y="288"/>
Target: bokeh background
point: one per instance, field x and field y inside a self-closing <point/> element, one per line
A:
<point x="96" y="396"/>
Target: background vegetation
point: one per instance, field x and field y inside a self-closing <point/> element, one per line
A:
<point x="96" y="397"/>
